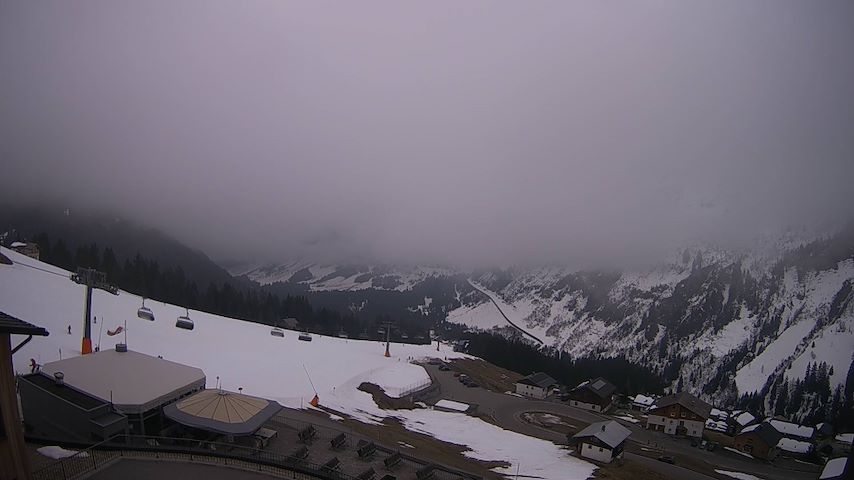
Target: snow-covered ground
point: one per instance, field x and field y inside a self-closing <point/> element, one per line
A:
<point x="833" y="344"/>
<point x="244" y="354"/>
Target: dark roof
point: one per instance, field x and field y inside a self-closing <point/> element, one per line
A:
<point x="765" y="432"/>
<point x="538" y="379"/>
<point x="599" y="386"/>
<point x="10" y="324"/>
<point x="686" y="400"/>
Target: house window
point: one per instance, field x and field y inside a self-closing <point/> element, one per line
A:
<point x="673" y="413"/>
<point x="600" y="449"/>
<point x="682" y="414"/>
<point x="590" y="446"/>
<point x="681" y="423"/>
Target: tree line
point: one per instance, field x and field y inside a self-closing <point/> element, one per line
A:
<point x="525" y="358"/>
<point x="168" y="284"/>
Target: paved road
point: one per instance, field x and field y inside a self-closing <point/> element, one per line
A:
<point x="506" y="410"/>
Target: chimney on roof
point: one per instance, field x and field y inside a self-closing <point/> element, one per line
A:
<point x="603" y="427"/>
<point x="59" y="379"/>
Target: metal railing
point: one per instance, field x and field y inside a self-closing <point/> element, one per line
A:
<point x="186" y="450"/>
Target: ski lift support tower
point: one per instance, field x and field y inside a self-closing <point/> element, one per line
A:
<point x="91" y="278"/>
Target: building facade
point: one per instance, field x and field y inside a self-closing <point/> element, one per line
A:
<point x="680" y="414"/>
<point x="759" y="440"/>
<point x="536" y="385"/>
<point x="595" y="395"/>
<point x="601" y="441"/>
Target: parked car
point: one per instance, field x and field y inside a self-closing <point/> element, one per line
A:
<point x="667" y="459"/>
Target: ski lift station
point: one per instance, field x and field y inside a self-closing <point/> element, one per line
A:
<point x="95" y="396"/>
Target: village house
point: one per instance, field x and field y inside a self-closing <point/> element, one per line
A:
<point x="596" y="395"/>
<point x="739" y="419"/>
<point x="679" y="414"/>
<point x="771" y="438"/>
<point x="641" y="402"/>
<point x="601" y="441"/>
<point x="759" y="440"/>
<point x="536" y="385"/>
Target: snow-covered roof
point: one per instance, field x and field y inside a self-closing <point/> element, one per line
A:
<point x="719" y="414"/>
<point x="718" y="426"/>
<point x="794" y="446"/>
<point x="643" y="400"/>
<point x="750" y="428"/>
<point x="792" y="429"/>
<point x="452" y="405"/>
<point x="17" y="244"/>
<point x="609" y="432"/>
<point x="834" y="468"/>
<point x="744" y="418"/>
<point x="845" y="438"/>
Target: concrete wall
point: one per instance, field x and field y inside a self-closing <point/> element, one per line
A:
<point x="48" y="415"/>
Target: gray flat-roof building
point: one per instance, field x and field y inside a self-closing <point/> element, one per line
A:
<point x="100" y="394"/>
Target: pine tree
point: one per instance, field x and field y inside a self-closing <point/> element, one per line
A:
<point x="782" y="398"/>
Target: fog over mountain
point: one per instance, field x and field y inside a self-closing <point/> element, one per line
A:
<point x="471" y="133"/>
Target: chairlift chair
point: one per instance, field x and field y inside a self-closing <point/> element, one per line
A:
<point x="277" y="332"/>
<point x="145" y="313"/>
<point x="184" y="321"/>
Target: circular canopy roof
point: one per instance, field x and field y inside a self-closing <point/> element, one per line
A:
<point x="223" y="412"/>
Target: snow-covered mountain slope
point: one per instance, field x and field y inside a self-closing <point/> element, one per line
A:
<point x="330" y="277"/>
<point x="716" y="322"/>
<point x="244" y="355"/>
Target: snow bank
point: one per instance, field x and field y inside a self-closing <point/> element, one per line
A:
<point x="738" y="475"/>
<point x="845" y="438"/>
<point x="56" y="452"/>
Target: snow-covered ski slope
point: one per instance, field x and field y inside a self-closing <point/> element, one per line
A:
<point x="244" y="354"/>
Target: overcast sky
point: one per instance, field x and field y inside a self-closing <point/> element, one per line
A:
<point x="476" y="131"/>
